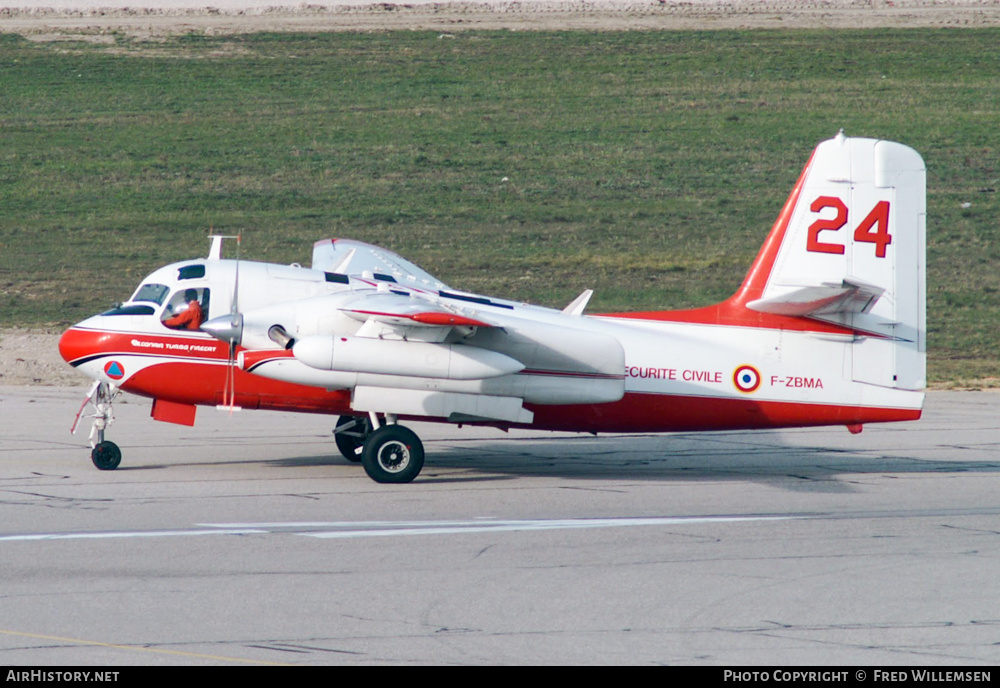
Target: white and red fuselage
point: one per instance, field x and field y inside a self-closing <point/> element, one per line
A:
<point x="680" y="371"/>
<point x="827" y="329"/>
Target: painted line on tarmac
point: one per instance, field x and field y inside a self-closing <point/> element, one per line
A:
<point x="124" y="534"/>
<point x="363" y="529"/>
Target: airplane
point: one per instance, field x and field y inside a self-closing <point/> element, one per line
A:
<point x="827" y="328"/>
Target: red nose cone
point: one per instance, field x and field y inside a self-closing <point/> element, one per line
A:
<point x="75" y="345"/>
<point x="67" y="345"/>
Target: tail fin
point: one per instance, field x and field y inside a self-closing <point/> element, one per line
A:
<point x="846" y="255"/>
<point x="849" y="249"/>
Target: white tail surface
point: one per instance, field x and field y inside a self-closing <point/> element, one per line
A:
<point x="853" y="254"/>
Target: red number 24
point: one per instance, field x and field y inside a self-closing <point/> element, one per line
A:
<point x="874" y="229"/>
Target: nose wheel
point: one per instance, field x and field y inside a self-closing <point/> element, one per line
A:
<point x="104" y="454"/>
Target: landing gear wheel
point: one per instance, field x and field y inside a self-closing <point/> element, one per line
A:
<point x="106" y="456"/>
<point x="353" y="438"/>
<point x="393" y="454"/>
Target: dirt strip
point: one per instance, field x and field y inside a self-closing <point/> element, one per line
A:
<point x="52" y="18"/>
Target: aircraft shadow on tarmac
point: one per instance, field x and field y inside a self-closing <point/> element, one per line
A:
<point x="741" y="456"/>
<point x="751" y="456"/>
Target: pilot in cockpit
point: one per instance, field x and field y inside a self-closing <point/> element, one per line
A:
<point x="191" y="317"/>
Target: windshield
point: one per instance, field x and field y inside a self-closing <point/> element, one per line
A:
<point x="154" y="293"/>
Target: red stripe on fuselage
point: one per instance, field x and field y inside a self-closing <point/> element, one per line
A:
<point x="198" y="383"/>
<point x="640" y="412"/>
<point x="79" y="343"/>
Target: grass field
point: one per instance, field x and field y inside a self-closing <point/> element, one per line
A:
<point x="648" y="166"/>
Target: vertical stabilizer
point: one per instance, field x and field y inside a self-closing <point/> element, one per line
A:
<point x="849" y="250"/>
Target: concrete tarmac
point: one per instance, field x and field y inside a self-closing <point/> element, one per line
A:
<point x="248" y="540"/>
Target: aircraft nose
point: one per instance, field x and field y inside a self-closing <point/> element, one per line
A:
<point x="69" y="345"/>
<point x="80" y="341"/>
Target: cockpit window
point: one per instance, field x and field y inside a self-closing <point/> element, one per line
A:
<point x="187" y="309"/>
<point x="130" y="310"/>
<point x="191" y="272"/>
<point x="154" y="293"/>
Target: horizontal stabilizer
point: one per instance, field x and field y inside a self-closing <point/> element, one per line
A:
<point x="850" y="296"/>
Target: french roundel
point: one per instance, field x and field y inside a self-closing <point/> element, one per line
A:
<point x="746" y="378"/>
<point x="114" y="370"/>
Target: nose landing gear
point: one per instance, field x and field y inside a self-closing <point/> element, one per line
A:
<point x="105" y="455"/>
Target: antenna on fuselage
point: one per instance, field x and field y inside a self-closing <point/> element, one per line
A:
<point x="215" y="252"/>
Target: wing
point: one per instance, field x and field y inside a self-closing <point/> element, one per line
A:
<point x="453" y="356"/>
<point x="406" y="344"/>
<point x="409" y="316"/>
<point x="405" y="311"/>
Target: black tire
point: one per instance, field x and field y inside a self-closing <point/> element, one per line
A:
<point x="393" y="454"/>
<point x="349" y="441"/>
<point x="106" y="456"/>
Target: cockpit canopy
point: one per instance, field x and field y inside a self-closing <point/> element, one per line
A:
<point x="172" y="300"/>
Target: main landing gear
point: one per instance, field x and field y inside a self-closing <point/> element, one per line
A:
<point x="105" y="454"/>
<point x="389" y="453"/>
<point x="350" y="435"/>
